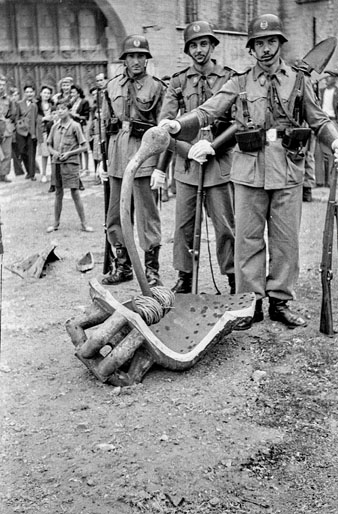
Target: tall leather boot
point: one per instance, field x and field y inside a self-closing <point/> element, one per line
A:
<point x="184" y="283"/>
<point x="279" y="311"/>
<point x="152" y="266"/>
<point x="232" y="283"/>
<point x="123" y="270"/>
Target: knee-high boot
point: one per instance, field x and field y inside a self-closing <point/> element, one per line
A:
<point x="123" y="270"/>
<point x="152" y="266"/>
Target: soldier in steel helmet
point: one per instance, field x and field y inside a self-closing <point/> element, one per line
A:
<point x="187" y="90"/>
<point x="133" y="105"/>
<point x="268" y="165"/>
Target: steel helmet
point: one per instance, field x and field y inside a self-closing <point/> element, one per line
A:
<point x="265" y="25"/>
<point x="135" y="44"/>
<point x="198" y="29"/>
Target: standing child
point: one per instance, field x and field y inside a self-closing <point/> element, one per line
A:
<point x="66" y="142"/>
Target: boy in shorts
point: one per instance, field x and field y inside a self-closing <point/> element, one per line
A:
<point x="66" y="142"/>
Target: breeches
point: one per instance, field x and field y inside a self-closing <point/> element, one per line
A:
<point x="218" y="201"/>
<point x="280" y="211"/>
<point x="148" y="221"/>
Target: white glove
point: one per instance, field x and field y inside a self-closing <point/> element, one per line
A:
<point x="172" y="126"/>
<point x="102" y="174"/>
<point x="157" y="179"/>
<point x="199" y="151"/>
<point x="334" y="147"/>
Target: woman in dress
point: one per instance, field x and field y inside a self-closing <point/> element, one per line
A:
<point x="45" y="122"/>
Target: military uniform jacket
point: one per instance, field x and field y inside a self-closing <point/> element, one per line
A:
<point x="272" y="167"/>
<point x="123" y="146"/>
<point x="189" y="88"/>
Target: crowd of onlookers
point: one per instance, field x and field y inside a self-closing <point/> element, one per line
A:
<point x="26" y="122"/>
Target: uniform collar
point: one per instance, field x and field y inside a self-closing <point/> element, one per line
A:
<point x="216" y="70"/>
<point x="281" y="70"/>
<point x="211" y="77"/>
<point x="139" y="80"/>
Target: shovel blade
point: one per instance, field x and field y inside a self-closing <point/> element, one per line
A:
<point x="319" y="56"/>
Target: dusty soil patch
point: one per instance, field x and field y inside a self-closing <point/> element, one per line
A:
<point x="252" y="428"/>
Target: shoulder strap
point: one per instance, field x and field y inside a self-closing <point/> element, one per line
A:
<point x="232" y="71"/>
<point x="160" y="81"/>
<point x="244" y="97"/>
<point x="108" y="100"/>
<point x="178" y="81"/>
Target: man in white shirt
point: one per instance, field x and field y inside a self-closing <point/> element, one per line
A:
<point x="329" y="97"/>
<point x="329" y="102"/>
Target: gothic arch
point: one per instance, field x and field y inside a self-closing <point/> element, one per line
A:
<point x="114" y="21"/>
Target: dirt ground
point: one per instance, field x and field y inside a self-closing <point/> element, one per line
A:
<point x="251" y="428"/>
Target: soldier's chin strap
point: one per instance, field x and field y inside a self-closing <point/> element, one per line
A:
<point x="207" y="57"/>
<point x="251" y="52"/>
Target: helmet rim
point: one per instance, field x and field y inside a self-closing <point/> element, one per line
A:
<point x="197" y="29"/>
<point x="264" y="26"/>
<point x="135" y="44"/>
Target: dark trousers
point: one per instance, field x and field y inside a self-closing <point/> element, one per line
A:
<point x="17" y="163"/>
<point x="27" y="150"/>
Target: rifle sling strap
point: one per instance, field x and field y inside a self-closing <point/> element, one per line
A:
<point x="296" y="93"/>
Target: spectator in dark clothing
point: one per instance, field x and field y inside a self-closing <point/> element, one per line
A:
<point x="17" y="161"/>
<point x="26" y="130"/>
<point x="92" y="105"/>
<point x="80" y="111"/>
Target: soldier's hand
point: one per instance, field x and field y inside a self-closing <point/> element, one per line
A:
<point x="102" y="174"/>
<point x="200" y="150"/>
<point x="157" y="179"/>
<point x="172" y="126"/>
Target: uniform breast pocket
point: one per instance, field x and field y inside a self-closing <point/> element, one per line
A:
<point x="257" y="105"/>
<point x="191" y="100"/>
<point x="144" y="103"/>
